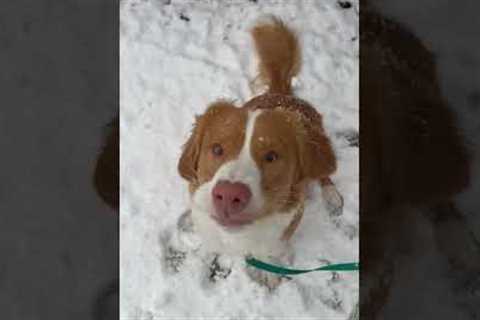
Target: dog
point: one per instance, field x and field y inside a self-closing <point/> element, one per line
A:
<point x="249" y="167"/>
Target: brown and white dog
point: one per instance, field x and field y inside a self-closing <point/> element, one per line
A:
<point x="248" y="167"/>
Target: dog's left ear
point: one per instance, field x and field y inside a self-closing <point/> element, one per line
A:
<point x="188" y="163"/>
<point x="317" y="159"/>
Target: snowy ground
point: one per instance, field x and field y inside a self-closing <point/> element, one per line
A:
<point x="175" y="58"/>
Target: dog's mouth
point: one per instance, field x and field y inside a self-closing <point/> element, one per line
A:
<point x="234" y="221"/>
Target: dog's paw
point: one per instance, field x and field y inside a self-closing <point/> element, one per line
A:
<point x="264" y="278"/>
<point x="219" y="269"/>
<point x="185" y="222"/>
<point x="175" y="249"/>
<point x="174" y="259"/>
<point x="333" y="200"/>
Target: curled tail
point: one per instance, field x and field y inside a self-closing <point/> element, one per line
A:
<point x="279" y="54"/>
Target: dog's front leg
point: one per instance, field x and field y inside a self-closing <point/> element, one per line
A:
<point x="269" y="279"/>
<point x="185" y="223"/>
<point x="220" y="267"/>
<point x="332" y="197"/>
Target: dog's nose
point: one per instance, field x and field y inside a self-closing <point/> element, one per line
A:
<point x="230" y="198"/>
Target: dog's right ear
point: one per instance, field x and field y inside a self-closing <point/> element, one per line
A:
<point x="188" y="163"/>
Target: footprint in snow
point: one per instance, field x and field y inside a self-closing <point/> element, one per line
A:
<point x="218" y="270"/>
<point x="351" y="136"/>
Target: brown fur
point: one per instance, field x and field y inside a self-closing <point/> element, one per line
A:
<point x="281" y="180"/>
<point x="292" y="227"/>
<point x="196" y="164"/>
<point x="317" y="154"/>
<point x="280" y="60"/>
<point x="279" y="54"/>
<point x="288" y="125"/>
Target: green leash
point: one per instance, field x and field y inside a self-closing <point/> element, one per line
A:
<point x="353" y="266"/>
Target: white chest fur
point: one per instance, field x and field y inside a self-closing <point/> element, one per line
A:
<point x="261" y="239"/>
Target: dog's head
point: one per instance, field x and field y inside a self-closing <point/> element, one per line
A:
<point x="244" y="164"/>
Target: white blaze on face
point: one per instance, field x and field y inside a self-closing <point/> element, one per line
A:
<point x="260" y="238"/>
<point x="243" y="170"/>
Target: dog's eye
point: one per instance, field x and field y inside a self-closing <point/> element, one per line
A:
<point x="217" y="150"/>
<point x="271" y="156"/>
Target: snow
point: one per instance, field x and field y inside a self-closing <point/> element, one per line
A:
<point x="175" y="58"/>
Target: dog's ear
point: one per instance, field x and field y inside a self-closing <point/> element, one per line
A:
<point x="317" y="159"/>
<point x="188" y="163"/>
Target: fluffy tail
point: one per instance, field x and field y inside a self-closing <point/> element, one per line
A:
<point x="279" y="54"/>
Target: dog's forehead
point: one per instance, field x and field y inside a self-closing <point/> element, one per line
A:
<point x="225" y="121"/>
<point x="275" y="126"/>
<point x="269" y="125"/>
<point x="275" y="120"/>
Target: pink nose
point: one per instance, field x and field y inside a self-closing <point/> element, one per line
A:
<point x="230" y="198"/>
